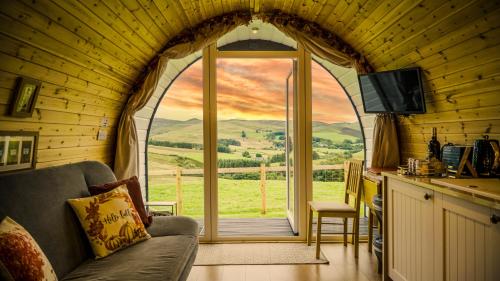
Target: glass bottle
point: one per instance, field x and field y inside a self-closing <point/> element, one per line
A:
<point x="434" y="147"/>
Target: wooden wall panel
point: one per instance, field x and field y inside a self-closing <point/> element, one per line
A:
<point x="85" y="74"/>
<point x="88" y="54"/>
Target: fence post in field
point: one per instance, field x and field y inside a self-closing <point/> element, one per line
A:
<point x="263" y="186"/>
<point x="178" y="180"/>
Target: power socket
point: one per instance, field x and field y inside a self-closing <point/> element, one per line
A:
<point x="102" y="135"/>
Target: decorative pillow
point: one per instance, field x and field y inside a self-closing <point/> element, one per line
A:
<point x="110" y="221"/>
<point x="21" y="255"/>
<point x="134" y="190"/>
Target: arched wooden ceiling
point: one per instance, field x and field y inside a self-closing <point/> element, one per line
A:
<point x="89" y="52"/>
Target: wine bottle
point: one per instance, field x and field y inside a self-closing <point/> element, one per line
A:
<point x="434" y="147"/>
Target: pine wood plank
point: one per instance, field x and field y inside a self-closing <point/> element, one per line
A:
<point x="119" y="19"/>
<point x="106" y="159"/>
<point x="162" y="22"/>
<point x="64" y="105"/>
<point x="46" y="129"/>
<point x="26" y="68"/>
<point x="337" y="14"/>
<point x="411" y="23"/>
<point x="135" y="28"/>
<point x="52" y="142"/>
<point x="361" y="15"/>
<point x="466" y="76"/>
<point x="8" y="82"/>
<point x="476" y="114"/>
<point x="324" y="15"/>
<point x="467" y="127"/>
<point x="56" y="117"/>
<point x="191" y="11"/>
<point x="345" y="18"/>
<point x="92" y="26"/>
<point x="17" y="49"/>
<point x="376" y="15"/>
<point x="57" y="154"/>
<point x="408" y="54"/>
<point x="440" y="29"/>
<point x="71" y="49"/>
<point x="316" y="8"/>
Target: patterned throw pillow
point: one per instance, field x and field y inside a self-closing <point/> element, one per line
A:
<point x="134" y="190"/>
<point x="110" y="221"/>
<point x="21" y="255"/>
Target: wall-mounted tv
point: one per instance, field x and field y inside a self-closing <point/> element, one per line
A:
<point x="397" y="91"/>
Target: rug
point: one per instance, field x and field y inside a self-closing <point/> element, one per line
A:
<point x="258" y="253"/>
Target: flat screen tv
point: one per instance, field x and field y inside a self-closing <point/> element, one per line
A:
<point x="397" y="91"/>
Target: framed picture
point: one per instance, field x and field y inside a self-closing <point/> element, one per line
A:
<point x="25" y="97"/>
<point x="17" y="150"/>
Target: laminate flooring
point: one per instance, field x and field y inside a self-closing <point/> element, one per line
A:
<point x="343" y="266"/>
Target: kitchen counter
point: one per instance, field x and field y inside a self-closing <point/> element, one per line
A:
<point x="425" y="182"/>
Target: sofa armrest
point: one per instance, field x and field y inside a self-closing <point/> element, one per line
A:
<point x="173" y="225"/>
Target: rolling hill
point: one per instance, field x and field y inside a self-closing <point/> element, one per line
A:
<point x="255" y="130"/>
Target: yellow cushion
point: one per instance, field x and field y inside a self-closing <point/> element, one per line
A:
<point x="21" y="255"/>
<point x="331" y="207"/>
<point x="110" y="221"/>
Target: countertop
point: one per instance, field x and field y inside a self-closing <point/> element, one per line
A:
<point x="425" y="182"/>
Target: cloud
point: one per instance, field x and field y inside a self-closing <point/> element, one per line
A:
<point x="254" y="89"/>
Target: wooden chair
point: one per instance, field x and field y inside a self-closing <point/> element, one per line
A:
<point x="353" y="181"/>
<point x="371" y="187"/>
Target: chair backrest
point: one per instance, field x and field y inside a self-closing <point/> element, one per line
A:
<point x="353" y="179"/>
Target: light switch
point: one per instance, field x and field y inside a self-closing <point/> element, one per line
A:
<point x="104" y="122"/>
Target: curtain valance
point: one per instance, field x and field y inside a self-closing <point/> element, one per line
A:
<point x="313" y="37"/>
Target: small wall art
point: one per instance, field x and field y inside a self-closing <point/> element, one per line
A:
<point x="25" y="97"/>
<point x="17" y="150"/>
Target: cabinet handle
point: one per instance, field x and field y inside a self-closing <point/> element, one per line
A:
<point x="494" y="219"/>
<point x="427" y="196"/>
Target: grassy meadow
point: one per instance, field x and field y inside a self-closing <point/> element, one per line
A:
<point x="243" y="143"/>
<point x="237" y="198"/>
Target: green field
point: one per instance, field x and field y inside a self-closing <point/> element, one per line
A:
<point x="178" y="144"/>
<point x="237" y="198"/>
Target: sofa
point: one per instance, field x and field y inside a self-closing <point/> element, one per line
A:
<point x="36" y="199"/>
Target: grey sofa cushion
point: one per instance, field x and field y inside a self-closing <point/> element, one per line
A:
<point x="37" y="200"/>
<point x="173" y="225"/>
<point x="159" y="258"/>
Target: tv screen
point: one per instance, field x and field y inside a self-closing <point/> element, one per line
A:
<point x="397" y="91"/>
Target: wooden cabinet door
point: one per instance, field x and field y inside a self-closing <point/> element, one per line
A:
<point x="410" y="227"/>
<point x="471" y="241"/>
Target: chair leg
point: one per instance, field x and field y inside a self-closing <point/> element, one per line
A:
<point x="370" y="231"/>
<point x="356" y="237"/>
<point x="345" y="232"/>
<point x="353" y="230"/>
<point x="309" y="226"/>
<point x="318" y="236"/>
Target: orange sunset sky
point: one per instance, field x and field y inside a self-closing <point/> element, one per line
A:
<point x="253" y="89"/>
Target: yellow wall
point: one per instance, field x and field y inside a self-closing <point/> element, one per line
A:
<point x="88" y="54"/>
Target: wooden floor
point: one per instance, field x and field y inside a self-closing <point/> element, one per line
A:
<point x="278" y="226"/>
<point x="254" y="227"/>
<point x="343" y="266"/>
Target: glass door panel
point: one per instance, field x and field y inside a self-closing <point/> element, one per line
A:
<point x="336" y="137"/>
<point x="251" y="140"/>
<point x="292" y="202"/>
<point x="175" y="149"/>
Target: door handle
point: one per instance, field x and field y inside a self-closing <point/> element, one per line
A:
<point x="427" y="196"/>
<point x="494" y="219"/>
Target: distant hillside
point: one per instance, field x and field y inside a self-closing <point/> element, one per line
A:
<point x="255" y="130"/>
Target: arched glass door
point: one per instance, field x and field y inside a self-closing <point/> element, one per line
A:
<point x="241" y="140"/>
